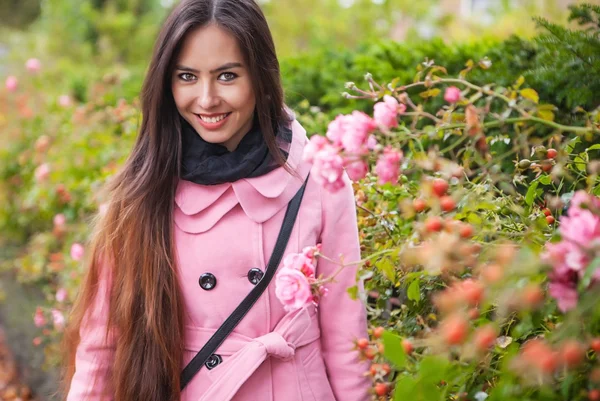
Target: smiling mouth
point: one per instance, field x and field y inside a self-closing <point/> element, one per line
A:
<point x="213" y="119"/>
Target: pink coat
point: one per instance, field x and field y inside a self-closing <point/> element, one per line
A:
<point x="227" y="230"/>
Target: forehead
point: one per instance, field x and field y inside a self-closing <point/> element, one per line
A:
<point x="209" y="47"/>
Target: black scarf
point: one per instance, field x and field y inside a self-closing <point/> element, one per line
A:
<point x="211" y="164"/>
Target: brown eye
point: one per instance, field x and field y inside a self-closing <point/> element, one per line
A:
<point x="228" y="76"/>
<point x="186" y="76"/>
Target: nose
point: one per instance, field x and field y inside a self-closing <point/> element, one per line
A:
<point x="208" y="97"/>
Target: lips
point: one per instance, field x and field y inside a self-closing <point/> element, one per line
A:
<point x="213" y="118"/>
<point x="213" y="121"/>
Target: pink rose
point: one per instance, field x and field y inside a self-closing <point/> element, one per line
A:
<point x="59" y="220"/>
<point x="385" y="113"/>
<point x="581" y="201"/>
<point x="77" y="251"/>
<point x="58" y="319"/>
<point x="358" y="129"/>
<point x="336" y="129"/>
<point x="328" y="169"/>
<point x="64" y="101"/>
<point x="33" y="65"/>
<point x="310" y="251"/>
<point x="388" y="166"/>
<point x="11" y="83"/>
<point x="42" y="172"/>
<point x="38" y="319"/>
<point x="582" y="228"/>
<point x="314" y="145"/>
<point x="565" y="254"/>
<point x="452" y="94"/>
<point x="357" y="169"/>
<point x="292" y="289"/>
<point x="61" y="295"/>
<point x="300" y="262"/>
<point x="351" y="132"/>
<point x="565" y="295"/>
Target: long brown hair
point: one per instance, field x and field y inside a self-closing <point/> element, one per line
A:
<point x="134" y="239"/>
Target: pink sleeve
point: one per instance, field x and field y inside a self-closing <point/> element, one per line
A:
<point x="95" y="351"/>
<point x="342" y="319"/>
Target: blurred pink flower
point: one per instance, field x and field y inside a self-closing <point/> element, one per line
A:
<point x="565" y="254"/>
<point x="292" y="289"/>
<point x="582" y="201"/>
<point x="77" y="251"/>
<point x="38" y="319"/>
<point x="59" y="220"/>
<point x="61" y="295"/>
<point x="328" y="168"/>
<point x="314" y="145"/>
<point x="386" y="113"/>
<point x="58" y="319"/>
<point x="565" y="295"/>
<point x="11" y="83"/>
<point x="33" y="65"/>
<point x="452" y="94"/>
<point x="359" y="128"/>
<point x="582" y="228"/>
<point x="65" y="101"/>
<point x="336" y="129"/>
<point x="42" y="172"/>
<point x="356" y="169"/>
<point x="351" y="131"/>
<point x="388" y="166"/>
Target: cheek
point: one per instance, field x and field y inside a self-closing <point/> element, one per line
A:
<point x="181" y="96"/>
<point x="243" y="97"/>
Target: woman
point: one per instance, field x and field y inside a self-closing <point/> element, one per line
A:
<point x="193" y="219"/>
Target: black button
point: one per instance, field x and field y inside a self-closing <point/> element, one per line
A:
<point x="213" y="361"/>
<point x="208" y="281"/>
<point x="255" y="275"/>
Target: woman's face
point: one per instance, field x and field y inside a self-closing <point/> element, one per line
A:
<point x="212" y="88"/>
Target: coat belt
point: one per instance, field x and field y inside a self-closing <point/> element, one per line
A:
<point x="296" y="329"/>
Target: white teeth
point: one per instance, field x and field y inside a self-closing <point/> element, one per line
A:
<point x="213" y="119"/>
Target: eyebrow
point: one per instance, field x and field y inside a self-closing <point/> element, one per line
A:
<point x="224" y="67"/>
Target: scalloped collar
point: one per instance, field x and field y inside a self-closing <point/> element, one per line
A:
<point x="200" y="207"/>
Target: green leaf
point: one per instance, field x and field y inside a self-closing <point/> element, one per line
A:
<point x="593" y="147"/>
<point x="531" y="192"/>
<point x="353" y="292"/>
<point x="572" y="143"/>
<point x="546" y="180"/>
<point x="430" y="93"/>
<point x="427" y="391"/>
<point x="566" y="385"/>
<point x="530" y="94"/>
<point x="405" y="389"/>
<point x="520" y="82"/>
<point x="433" y="369"/>
<point x="386" y="267"/>
<point x="392" y="349"/>
<point x="580" y="163"/>
<point x="414" y="291"/>
<point x="546" y="115"/>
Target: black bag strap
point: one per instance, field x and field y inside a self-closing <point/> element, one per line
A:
<point x="238" y="314"/>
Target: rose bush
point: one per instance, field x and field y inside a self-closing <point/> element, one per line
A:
<point x="458" y="251"/>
